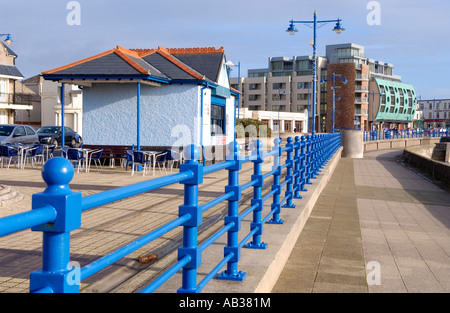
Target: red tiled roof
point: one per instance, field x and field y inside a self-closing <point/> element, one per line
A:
<point x="135" y="59"/>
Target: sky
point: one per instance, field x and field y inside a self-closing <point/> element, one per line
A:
<point x="413" y="35"/>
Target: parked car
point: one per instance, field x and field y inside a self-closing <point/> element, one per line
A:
<point x="53" y="135"/>
<point x="13" y="134"/>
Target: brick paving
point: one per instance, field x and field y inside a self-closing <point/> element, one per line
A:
<point x="106" y="228"/>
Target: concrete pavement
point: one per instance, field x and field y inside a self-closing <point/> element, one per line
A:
<point x="377" y="227"/>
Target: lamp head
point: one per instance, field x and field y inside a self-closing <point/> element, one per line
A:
<point x="322" y="80"/>
<point x="345" y="80"/>
<point x="291" y="29"/>
<point x="338" y="28"/>
<point x="8" y="39"/>
<point x="229" y="64"/>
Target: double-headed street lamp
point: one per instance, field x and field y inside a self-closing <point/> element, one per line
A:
<point x="8" y="39"/>
<point x="334" y="77"/>
<point x="292" y="30"/>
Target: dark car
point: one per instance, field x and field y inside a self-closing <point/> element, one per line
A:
<point x="13" y="134"/>
<point x="53" y="135"/>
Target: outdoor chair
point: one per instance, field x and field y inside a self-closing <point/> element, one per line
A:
<point x="139" y="158"/>
<point x="76" y="157"/>
<point x="2" y="155"/>
<point x="129" y="159"/>
<point x="51" y="149"/>
<point x="95" y="156"/>
<point x="175" y="156"/>
<point x="64" y="152"/>
<point x="162" y="159"/>
<point x="9" y="153"/>
<point x="34" y="153"/>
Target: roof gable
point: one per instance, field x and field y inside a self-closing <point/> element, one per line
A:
<point x="172" y="64"/>
<point x="207" y="63"/>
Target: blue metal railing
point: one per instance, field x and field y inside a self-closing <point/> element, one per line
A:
<point x="57" y="211"/>
<point x="403" y="133"/>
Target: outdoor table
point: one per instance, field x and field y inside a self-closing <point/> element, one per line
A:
<point x="86" y="152"/>
<point x="47" y="147"/>
<point x="152" y="154"/>
<point x="21" y="152"/>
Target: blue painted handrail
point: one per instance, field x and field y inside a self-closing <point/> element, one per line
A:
<point x="404" y="133"/>
<point x="57" y="211"/>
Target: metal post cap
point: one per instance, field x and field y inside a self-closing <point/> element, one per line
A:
<point x="192" y="152"/>
<point x="57" y="173"/>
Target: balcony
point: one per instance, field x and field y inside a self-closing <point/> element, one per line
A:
<point x="360" y="112"/>
<point x="359" y="100"/>
<point x="360" y="77"/>
<point x="19" y="99"/>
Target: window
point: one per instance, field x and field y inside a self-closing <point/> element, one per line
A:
<point x="304" y="73"/>
<point x="217" y="119"/>
<point x="254" y="97"/>
<point x="19" y="131"/>
<point x="306" y="85"/>
<point x="277" y="65"/>
<point x="276" y="86"/>
<point x="302" y="96"/>
<point x="3" y="89"/>
<point x="30" y="131"/>
<point x="282" y="97"/>
<point x="304" y="65"/>
<point x="254" y="86"/>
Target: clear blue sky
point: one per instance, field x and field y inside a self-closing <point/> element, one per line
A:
<point x="413" y="34"/>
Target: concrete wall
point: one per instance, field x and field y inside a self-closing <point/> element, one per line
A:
<point x="418" y="156"/>
<point x="398" y="143"/>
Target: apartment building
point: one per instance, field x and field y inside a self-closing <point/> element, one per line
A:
<point x="371" y="97"/>
<point x="14" y="97"/>
<point x="284" y="87"/>
<point x="435" y="112"/>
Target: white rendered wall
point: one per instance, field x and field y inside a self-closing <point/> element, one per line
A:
<point x="168" y="113"/>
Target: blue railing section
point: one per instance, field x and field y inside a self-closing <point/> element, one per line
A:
<point x="57" y="211"/>
<point x="404" y="133"/>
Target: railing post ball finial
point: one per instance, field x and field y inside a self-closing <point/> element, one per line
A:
<point x="234" y="147"/>
<point x="277" y="141"/>
<point x="289" y="139"/>
<point x="192" y="153"/>
<point x="57" y="174"/>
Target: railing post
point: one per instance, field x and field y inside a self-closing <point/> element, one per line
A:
<point x="232" y="273"/>
<point x="190" y="228"/>
<point x="58" y="274"/>
<point x="297" y="173"/>
<point x="289" y="174"/>
<point x="303" y="167"/>
<point x="313" y="156"/>
<point x="308" y="154"/>
<point x="258" y="160"/>
<point x="276" y="206"/>
<point x="320" y="153"/>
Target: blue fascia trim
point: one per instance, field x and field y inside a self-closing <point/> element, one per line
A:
<point x="194" y="82"/>
<point x="94" y="77"/>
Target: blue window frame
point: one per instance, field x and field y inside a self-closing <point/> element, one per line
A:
<point x="218" y="116"/>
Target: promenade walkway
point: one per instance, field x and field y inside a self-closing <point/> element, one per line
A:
<point x="377" y="227"/>
<point x="372" y="210"/>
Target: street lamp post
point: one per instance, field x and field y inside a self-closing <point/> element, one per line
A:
<point x="292" y="30"/>
<point x="334" y="77"/>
